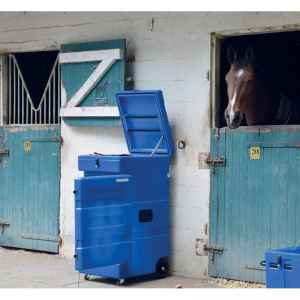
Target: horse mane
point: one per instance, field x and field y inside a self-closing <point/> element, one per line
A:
<point x="243" y="62"/>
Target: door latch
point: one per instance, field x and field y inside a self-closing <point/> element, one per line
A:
<point x="3" y="224"/>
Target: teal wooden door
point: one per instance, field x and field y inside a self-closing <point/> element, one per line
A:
<point x="255" y="199"/>
<point x="30" y="151"/>
<point x="29" y="187"/>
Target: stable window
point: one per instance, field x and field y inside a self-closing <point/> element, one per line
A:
<point x="33" y="88"/>
<point x="277" y="56"/>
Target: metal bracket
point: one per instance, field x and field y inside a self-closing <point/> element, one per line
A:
<point x="4" y="152"/>
<point x="3" y="224"/>
<point x="215" y="162"/>
<point x="213" y="250"/>
<point x="255" y="268"/>
<point x="217" y="134"/>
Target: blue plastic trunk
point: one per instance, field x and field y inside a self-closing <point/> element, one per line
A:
<point x="283" y="268"/>
<point x="122" y="224"/>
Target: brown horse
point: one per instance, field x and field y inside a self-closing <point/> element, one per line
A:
<point x="250" y="96"/>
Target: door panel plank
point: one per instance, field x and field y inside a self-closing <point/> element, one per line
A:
<point x="29" y="185"/>
<point x="256" y="201"/>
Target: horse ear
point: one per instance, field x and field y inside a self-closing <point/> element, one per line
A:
<point x="249" y="54"/>
<point x="231" y="54"/>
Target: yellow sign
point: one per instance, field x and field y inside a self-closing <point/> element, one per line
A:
<point x="27" y="146"/>
<point x="254" y="153"/>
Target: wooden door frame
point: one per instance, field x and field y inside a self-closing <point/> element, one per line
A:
<point x="3" y="88"/>
<point x="215" y="43"/>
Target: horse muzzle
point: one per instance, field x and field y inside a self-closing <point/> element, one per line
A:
<point x="233" y="121"/>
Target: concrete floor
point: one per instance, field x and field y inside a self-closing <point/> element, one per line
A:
<point x="26" y="269"/>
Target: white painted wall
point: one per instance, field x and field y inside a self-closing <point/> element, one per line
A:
<point x="173" y="55"/>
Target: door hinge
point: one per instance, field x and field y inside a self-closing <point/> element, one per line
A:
<point x="208" y="75"/>
<point x="4" y="152"/>
<point x="215" y="162"/>
<point x="213" y="250"/>
<point x="3" y="224"/>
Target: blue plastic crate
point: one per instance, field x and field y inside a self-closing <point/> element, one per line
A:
<point x="283" y="268"/>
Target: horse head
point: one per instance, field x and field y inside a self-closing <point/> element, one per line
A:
<point x="240" y="86"/>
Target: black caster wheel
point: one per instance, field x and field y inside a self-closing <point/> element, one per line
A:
<point x="87" y="277"/>
<point x="121" y="281"/>
<point x="162" y="269"/>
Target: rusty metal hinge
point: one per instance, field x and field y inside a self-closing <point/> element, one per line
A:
<point x="213" y="250"/>
<point x="3" y="224"/>
<point x="215" y="162"/>
<point x="4" y="151"/>
<point x="217" y="134"/>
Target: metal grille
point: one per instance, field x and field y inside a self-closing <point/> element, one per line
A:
<point x="21" y="108"/>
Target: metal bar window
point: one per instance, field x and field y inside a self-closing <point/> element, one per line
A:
<point x="21" y="108"/>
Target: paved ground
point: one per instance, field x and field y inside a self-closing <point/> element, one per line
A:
<point x="19" y="268"/>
